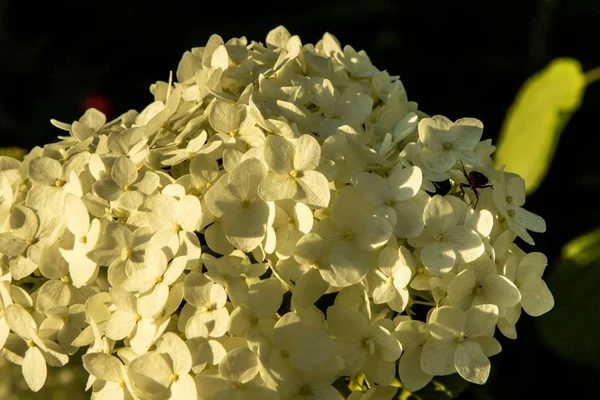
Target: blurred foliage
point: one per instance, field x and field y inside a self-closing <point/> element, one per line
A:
<point x="572" y="328"/>
<point x="536" y="119"/>
<point x="440" y="388"/>
<point x="14" y="152"/>
<point x="66" y="383"/>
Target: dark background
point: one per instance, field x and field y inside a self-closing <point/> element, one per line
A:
<point x="456" y="58"/>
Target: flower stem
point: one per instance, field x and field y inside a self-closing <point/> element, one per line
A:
<point x="592" y="75"/>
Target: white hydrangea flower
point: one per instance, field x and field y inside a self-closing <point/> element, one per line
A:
<point x="126" y="185"/>
<point x="461" y="342"/>
<point x="39" y="351"/>
<point x="291" y="176"/>
<point x="250" y="233"/>
<point x="234" y="199"/>
<point x="51" y="181"/>
<point x="206" y="303"/>
<point x="111" y="370"/>
<point x="370" y="348"/>
<point x="480" y="283"/>
<point x="536" y="298"/>
<point x="447" y="142"/>
<point x="412" y="335"/>
<point x="237" y="378"/>
<point x="445" y="241"/>
<point x="509" y="197"/>
<point x="389" y="281"/>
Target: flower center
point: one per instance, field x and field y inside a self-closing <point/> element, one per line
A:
<point x="127" y="253"/>
<point x="65" y="279"/>
<point x="59" y="183"/>
<point x="305" y="390"/>
<point x="447" y="146"/>
<point x="295" y="174"/>
<point x="369" y="345"/>
<point x="347" y="236"/>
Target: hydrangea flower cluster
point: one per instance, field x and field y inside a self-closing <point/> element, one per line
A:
<point x="279" y="219"/>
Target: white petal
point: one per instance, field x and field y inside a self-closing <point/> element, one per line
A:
<point x="45" y="171"/>
<point x="309" y="288"/>
<point x="499" y="290"/>
<point x="124" y="172"/>
<point x="438" y="214"/>
<point x="466" y="243"/>
<point x="76" y="216"/>
<point x="529" y="220"/>
<point x="349" y="262"/>
<point x="438" y="257"/>
<point x="189" y="212"/>
<point x="151" y="373"/>
<point x="308" y="153"/>
<point x="409" y="219"/>
<point x="372" y="232"/>
<point x="239" y="365"/>
<point x="265" y="297"/>
<point x="481" y="320"/>
<point x="410" y="372"/>
<point x="184" y="388"/>
<point x="152" y="303"/>
<point x="20" y="321"/>
<point x="244" y="179"/>
<point x="536" y="297"/>
<point x="120" y="324"/>
<point x="278" y="186"/>
<point x="405" y="182"/>
<point x="437" y="357"/>
<point x="279" y="154"/>
<point x="176" y="348"/>
<point x="354" y="105"/>
<point x="103" y="366"/>
<point x="447" y="322"/>
<point x="313" y="189"/>
<point x="471" y="363"/>
<point x="34" y="369"/>
<point x="347" y="325"/>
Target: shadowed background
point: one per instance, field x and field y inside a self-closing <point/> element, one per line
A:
<point x="459" y="59"/>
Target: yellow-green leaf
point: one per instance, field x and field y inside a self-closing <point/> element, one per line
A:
<point x="536" y="119"/>
<point x="583" y="250"/>
<point x="14" y="152"/>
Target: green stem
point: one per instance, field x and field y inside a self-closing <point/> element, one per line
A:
<point x="424" y="303"/>
<point x="592" y="75"/>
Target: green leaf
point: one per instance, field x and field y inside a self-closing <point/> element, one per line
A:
<point x="571" y="327"/>
<point x="534" y="122"/>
